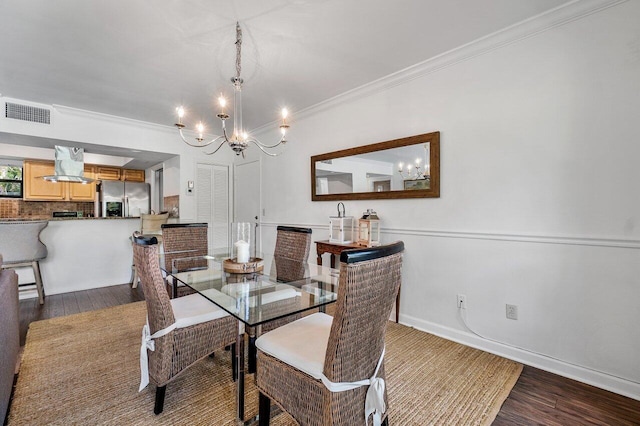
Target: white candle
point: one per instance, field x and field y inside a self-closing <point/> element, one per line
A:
<point x="242" y="248"/>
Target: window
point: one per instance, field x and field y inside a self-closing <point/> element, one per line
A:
<point x="11" y="181"/>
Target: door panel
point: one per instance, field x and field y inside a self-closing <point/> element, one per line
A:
<point x="212" y="203"/>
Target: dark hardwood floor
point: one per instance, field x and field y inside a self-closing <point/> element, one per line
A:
<point x="73" y="303"/>
<point x="538" y="398"/>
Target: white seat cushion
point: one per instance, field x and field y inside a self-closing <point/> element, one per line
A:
<point x="302" y="344"/>
<point x="194" y="309"/>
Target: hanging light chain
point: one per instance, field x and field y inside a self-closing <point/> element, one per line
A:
<point x="238" y="49"/>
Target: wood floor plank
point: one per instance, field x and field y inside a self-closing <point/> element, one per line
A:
<point x="70" y="303"/>
<point x="108" y="296"/>
<point x="84" y="301"/>
<point x="529" y="403"/>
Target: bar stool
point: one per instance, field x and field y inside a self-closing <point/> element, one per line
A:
<point x="21" y="247"/>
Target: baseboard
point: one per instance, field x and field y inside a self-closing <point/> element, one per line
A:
<point x="601" y="380"/>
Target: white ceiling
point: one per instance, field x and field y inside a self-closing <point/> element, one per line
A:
<point x="142" y="58"/>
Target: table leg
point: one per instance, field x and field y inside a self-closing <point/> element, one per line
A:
<point x="398" y="306"/>
<point x="333" y="261"/>
<point x="240" y="381"/>
<point x="319" y="260"/>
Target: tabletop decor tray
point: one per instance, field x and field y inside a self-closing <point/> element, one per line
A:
<point x="255" y="264"/>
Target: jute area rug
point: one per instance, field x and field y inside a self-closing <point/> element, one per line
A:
<point x="84" y="370"/>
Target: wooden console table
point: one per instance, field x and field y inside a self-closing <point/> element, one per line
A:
<point x="335" y="249"/>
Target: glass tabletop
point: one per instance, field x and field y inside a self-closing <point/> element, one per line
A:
<point x="283" y="287"/>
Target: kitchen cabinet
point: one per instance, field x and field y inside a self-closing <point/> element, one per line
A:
<point x="38" y="189"/>
<point x="131" y="175"/>
<point x="83" y="192"/>
<point x="108" y="173"/>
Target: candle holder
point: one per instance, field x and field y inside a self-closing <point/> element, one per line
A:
<point x="243" y="259"/>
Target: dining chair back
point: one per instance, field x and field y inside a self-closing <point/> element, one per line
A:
<point x="179" y="332"/>
<point x="321" y="370"/>
<point x="150" y="224"/>
<point x="21" y="247"/>
<point x="181" y="241"/>
<point x="293" y="243"/>
<point x="289" y="263"/>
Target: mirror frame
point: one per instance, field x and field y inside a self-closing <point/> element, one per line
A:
<point x="434" y="160"/>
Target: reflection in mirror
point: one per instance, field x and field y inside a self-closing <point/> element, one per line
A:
<point x="401" y="168"/>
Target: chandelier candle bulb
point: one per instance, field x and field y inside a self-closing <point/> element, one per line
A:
<point x="180" y="111"/>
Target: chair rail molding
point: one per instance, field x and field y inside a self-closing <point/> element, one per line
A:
<point x="526" y="238"/>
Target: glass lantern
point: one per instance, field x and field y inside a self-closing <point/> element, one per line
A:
<point x="341" y="229"/>
<point x="369" y="230"/>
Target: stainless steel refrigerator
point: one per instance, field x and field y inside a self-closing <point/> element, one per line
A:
<point x="124" y="199"/>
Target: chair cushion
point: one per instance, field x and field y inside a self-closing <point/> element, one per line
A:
<point x="194" y="309"/>
<point x="301" y="344"/>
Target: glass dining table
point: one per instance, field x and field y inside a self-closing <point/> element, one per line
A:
<point x="283" y="288"/>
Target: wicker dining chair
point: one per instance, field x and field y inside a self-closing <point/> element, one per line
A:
<point x="293" y="243"/>
<point x="312" y="366"/>
<point x="150" y="224"/>
<point x="179" y="332"/>
<point x="289" y="262"/>
<point x="184" y="240"/>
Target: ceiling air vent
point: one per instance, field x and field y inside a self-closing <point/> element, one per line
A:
<point x="27" y="113"/>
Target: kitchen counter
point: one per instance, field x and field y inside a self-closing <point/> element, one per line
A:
<point x="84" y="253"/>
<point x="91" y="218"/>
<point x="56" y="219"/>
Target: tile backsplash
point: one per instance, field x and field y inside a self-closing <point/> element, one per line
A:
<point x="20" y="209"/>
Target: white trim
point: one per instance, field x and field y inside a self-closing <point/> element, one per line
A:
<point x="83" y="113"/>
<point x="538" y="239"/>
<point x="530" y="27"/>
<point x="575" y="372"/>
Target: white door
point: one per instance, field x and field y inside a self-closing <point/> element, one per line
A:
<point x="246" y="198"/>
<point x="213" y="204"/>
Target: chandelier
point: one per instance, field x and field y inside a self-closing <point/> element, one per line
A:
<point x="239" y="140"/>
<point x="416" y="171"/>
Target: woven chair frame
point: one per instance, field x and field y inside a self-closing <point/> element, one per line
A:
<point x="180" y="348"/>
<point x="292" y="244"/>
<point x="290" y="255"/>
<point x="366" y="296"/>
<point x="182" y="242"/>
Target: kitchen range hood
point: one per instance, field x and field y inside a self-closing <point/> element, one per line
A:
<point x="69" y="166"/>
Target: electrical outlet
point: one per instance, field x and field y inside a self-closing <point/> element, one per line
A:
<point x="512" y="312"/>
<point x="462" y="301"/>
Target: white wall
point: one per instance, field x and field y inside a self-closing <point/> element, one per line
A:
<point x="539" y="203"/>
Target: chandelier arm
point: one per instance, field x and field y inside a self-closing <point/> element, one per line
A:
<point x="262" y="148"/>
<point x="199" y="145"/>
<point x="219" y="146"/>
<point x="258" y="143"/>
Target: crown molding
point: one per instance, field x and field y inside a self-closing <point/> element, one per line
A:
<point x="93" y="115"/>
<point x="530" y="27"/>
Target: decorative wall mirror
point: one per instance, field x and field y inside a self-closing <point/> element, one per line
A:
<point x="400" y="168"/>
